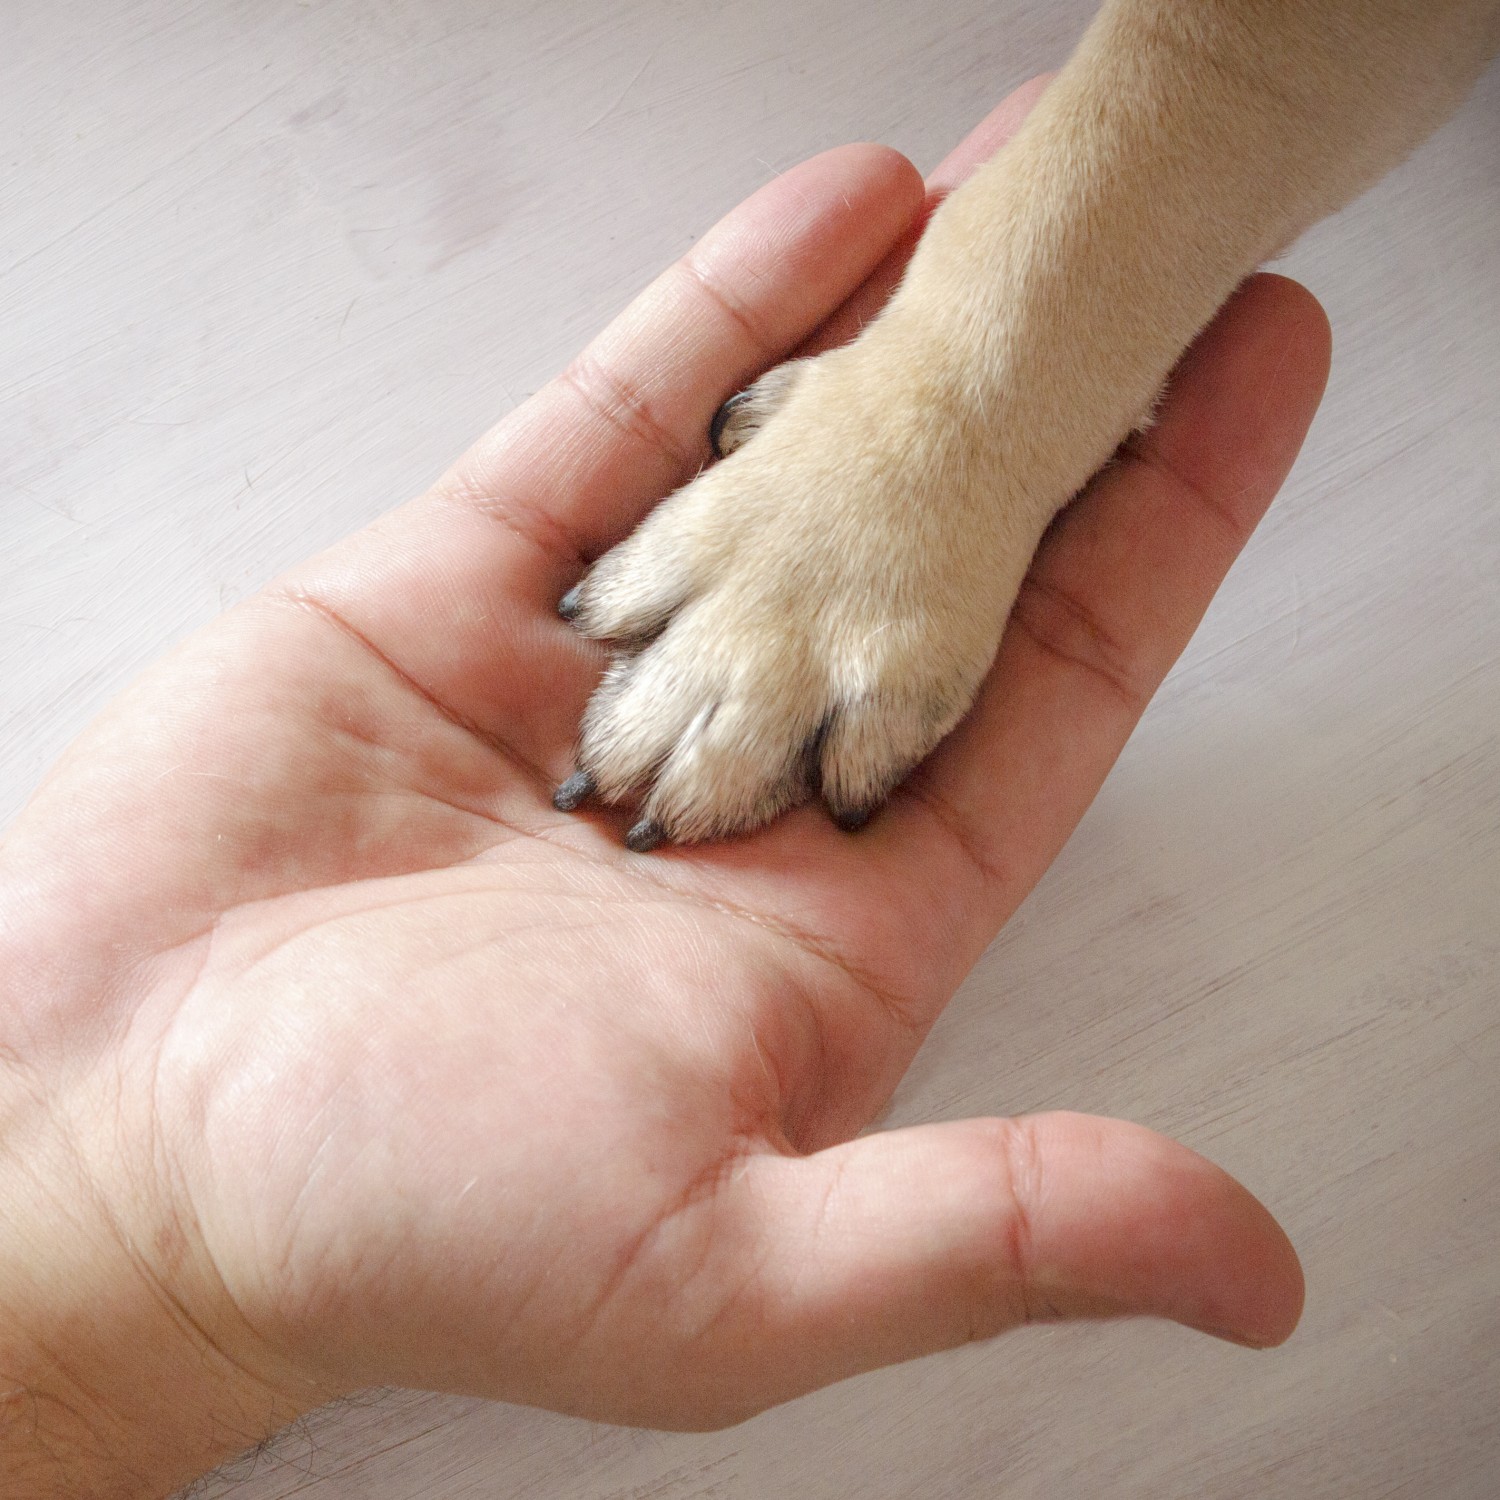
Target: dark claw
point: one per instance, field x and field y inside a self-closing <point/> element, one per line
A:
<point x="716" y="427"/>
<point x="645" y="836"/>
<point x="577" y="788"/>
<point x="571" y="602"/>
<point x="851" y="819"/>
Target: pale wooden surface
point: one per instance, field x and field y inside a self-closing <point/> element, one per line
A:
<point x="264" y="268"/>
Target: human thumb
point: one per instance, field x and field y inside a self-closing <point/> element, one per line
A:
<point x="902" y="1243"/>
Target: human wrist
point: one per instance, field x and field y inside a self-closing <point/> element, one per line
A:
<point x="125" y="1369"/>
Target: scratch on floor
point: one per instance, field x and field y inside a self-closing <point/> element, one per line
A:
<point x="619" y="99"/>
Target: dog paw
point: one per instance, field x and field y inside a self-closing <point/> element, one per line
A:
<point x="809" y="617"/>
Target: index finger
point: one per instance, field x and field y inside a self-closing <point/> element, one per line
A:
<point x="456" y="591"/>
<point x="628" y="419"/>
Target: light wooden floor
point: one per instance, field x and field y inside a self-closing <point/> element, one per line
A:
<point x="264" y="268"/>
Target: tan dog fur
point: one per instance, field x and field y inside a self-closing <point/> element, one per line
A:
<point x="817" y="611"/>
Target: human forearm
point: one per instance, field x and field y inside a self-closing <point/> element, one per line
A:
<point x="115" y="1378"/>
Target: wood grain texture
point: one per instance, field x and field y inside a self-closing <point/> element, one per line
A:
<point x="264" y="268"/>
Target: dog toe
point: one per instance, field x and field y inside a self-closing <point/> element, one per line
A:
<point x="747" y="411"/>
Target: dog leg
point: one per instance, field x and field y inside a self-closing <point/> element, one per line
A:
<point x="814" y="613"/>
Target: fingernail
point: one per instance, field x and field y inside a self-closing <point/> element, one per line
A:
<point x="574" y="790"/>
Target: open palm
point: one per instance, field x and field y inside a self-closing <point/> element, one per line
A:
<point x="417" y="1080"/>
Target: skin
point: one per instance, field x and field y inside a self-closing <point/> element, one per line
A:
<point x="331" y="1054"/>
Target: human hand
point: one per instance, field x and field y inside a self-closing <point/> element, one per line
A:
<point x="335" y="1056"/>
